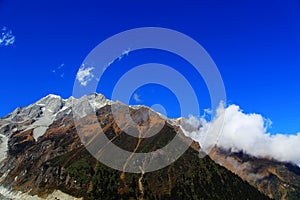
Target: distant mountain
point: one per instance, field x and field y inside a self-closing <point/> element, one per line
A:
<point x="276" y="179"/>
<point x="45" y="156"/>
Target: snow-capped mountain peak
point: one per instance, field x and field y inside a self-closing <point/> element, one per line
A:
<point x="40" y="115"/>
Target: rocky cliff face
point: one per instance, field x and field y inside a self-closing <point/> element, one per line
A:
<point x="45" y="154"/>
<point x="276" y="179"/>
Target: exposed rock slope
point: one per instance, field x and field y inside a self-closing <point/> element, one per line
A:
<point x="276" y="179"/>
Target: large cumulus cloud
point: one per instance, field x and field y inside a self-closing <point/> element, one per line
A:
<point x="245" y="132"/>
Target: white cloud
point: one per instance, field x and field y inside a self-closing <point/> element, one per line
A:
<point x="247" y="133"/>
<point x="123" y="54"/>
<point x="136" y="97"/>
<point x="61" y="66"/>
<point x="59" y="70"/>
<point x="6" y="37"/>
<point x="85" y="75"/>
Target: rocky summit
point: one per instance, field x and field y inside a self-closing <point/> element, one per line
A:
<point x="43" y="157"/>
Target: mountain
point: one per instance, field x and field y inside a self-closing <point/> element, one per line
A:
<point x="278" y="180"/>
<point x="43" y="156"/>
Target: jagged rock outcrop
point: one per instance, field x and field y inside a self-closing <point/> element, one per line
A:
<point x="40" y="115"/>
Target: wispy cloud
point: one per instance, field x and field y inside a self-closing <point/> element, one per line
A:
<point x="136" y="97"/>
<point x="61" y="66"/>
<point x="59" y="70"/>
<point x="123" y="54"/>
<point x="6" y="37"/>
<point x="247" y="133"/>
<point x="85" y="75"/>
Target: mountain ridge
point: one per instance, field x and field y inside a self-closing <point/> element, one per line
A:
<point x="52" y="151"/>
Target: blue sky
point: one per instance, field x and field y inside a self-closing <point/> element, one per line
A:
<point x="255" y="44"/>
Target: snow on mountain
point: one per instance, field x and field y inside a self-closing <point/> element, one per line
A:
<point x="3" y="147"/>
<point x="6" y="194"/>
<point x="40" y="115"/>
<point x="31" y="122"/>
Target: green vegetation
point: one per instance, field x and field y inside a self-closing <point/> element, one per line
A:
<point x="188" y="178"/>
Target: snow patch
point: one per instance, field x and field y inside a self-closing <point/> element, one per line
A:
<point x="49" y="110"/>
<point x="16" y="195"/>
<point x="3" y="147"/>
<point x="64" y="108"/>
<point x="135" y="107"/>
<point x="39" y="131"/>
<point x="54" y="96"/>
<point x="60" y="195"/>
